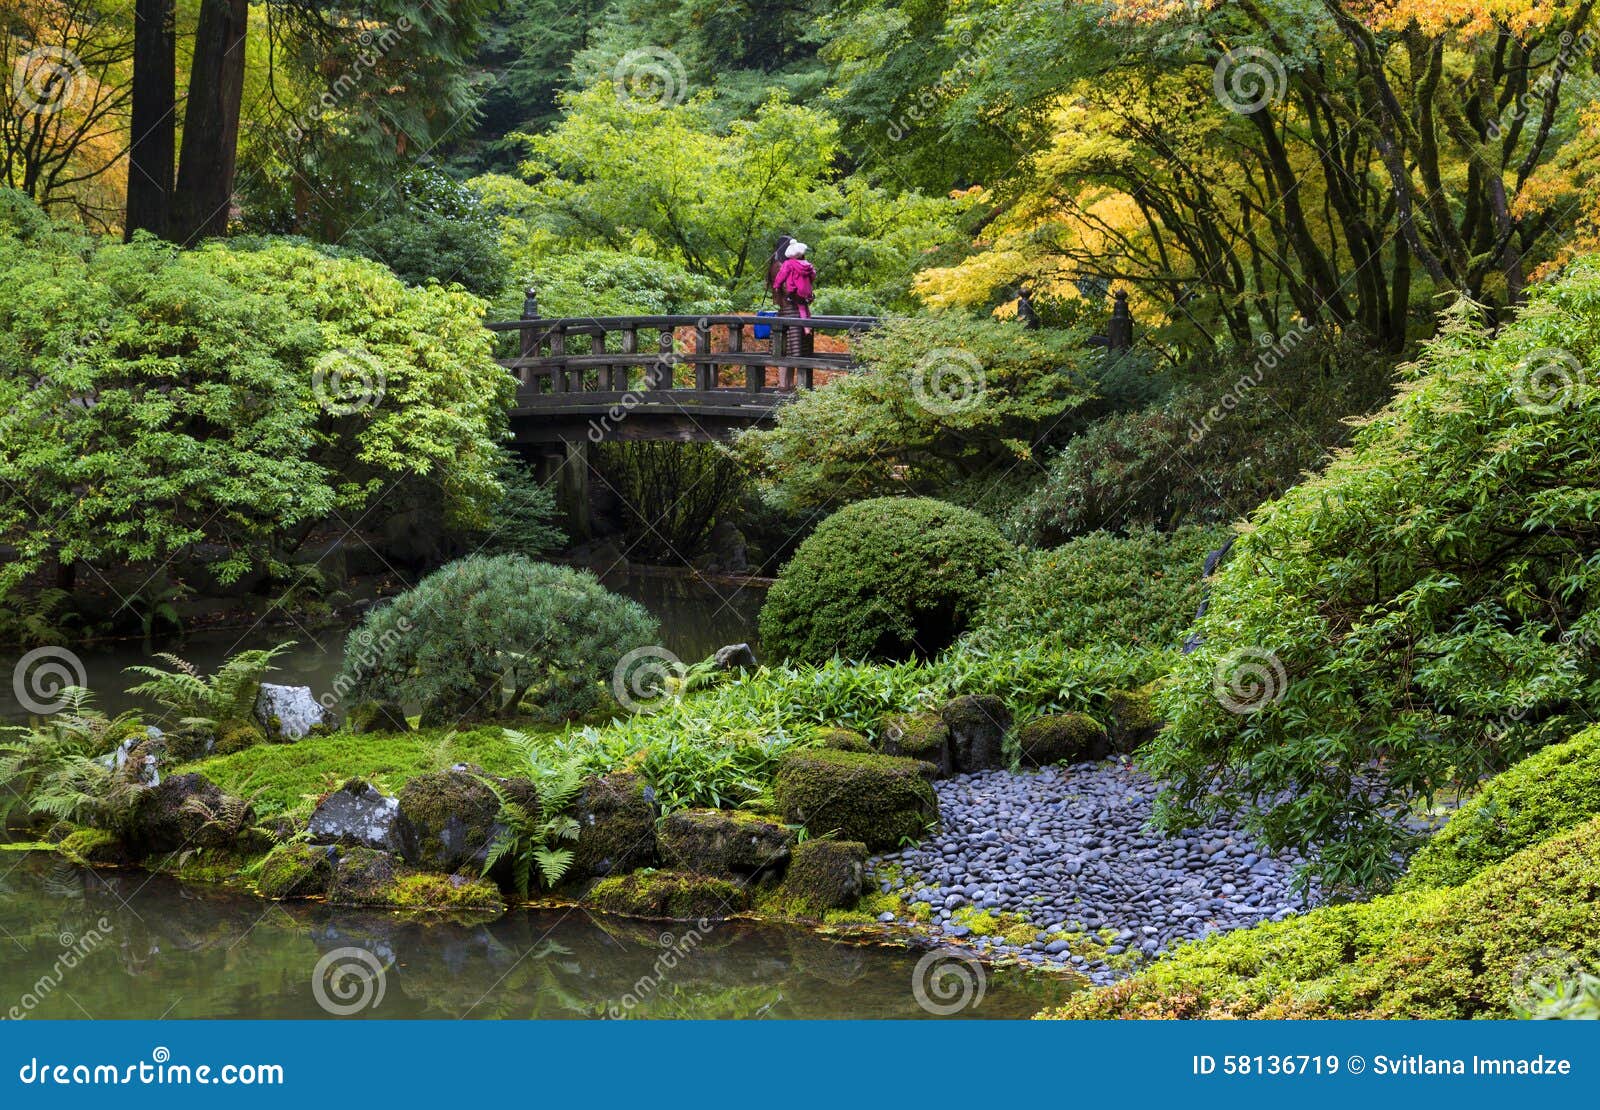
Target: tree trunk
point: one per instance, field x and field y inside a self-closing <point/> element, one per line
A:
<point x="211" y="122"/>
<point x="154" y="118"/>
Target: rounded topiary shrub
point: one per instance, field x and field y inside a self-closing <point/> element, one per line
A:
<point x="485" y="635"/>
<point x="887" y="578"/>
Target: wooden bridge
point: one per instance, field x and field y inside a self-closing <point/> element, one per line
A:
<point x="686" y="378"/>
<point x="589" y="379"/>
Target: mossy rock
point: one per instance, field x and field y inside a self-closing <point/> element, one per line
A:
<point x="726" y="843"/>
<point x="236" y="736"/>
<point x="824" y="875"/>
<point x="616" y="827"/>
<point x="367" y="877"/>
<point x="880" y="800"/>
<point x="669" y="894"/>
<point x="94" y="848"/>
<point x="449" y="819"/>
<point x="1062" y="738"/>
<point x="169" y="817"/>
<point x="426" y="891"/>
<point x="295" y="871"/>
<point x="190" y="742"/>
<point x="372" y="716"/>
<point x="922" y="736"/>
<point x="978" y="725"/>
<point x="842" y="740"/>
<point x="1134" y="720"/>
<point x="363" y="877"/>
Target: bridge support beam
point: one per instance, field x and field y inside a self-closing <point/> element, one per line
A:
<point x="565" y="467"/>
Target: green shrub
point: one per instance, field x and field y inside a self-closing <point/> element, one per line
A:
<point x="1419" y="614"/>
<point x="522" y="522"/>
<point x="157" y="398"/>
<point x="1547" y="793"/>
<point x="941" y="398"/>
<point x="669" y="495"/>
<point x="430" y="228"/>
<point x="883" y="801"/>
<point x="1212" y="450"/>
<point x="1139" y="590"/>
<point x="883" y="579"/>
<point x="1457" y="952"/>
<point x="471" y="639"/>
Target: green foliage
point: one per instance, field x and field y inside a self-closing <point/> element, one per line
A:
<point x="881" y="801"/>
<point x="1454" y="953"/>
<point x="522" y="522"/>
<point x="612" y="283"/>
<point x="471" y="639"/>
<point x="1139" y="590"/>
<point x="722" y="746"/>
<point x="669" y="495"/>
<point x="1424" y="601"/>
<point x="883" y="579"/>
<point x="1547" y="793"/>
<point x="190" y="698"/>
<point x="154" y="399"/>
<point x="1244" y="428"/>
<point x="430" y="228"/>
<point x="940" y="400"/>
<point x="1575" y="999"/>
<point x="58" y="767"/>
<point x="532" y="839"/>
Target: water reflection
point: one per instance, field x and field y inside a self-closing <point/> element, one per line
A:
<point x="171" y="950"/>
<point x="697" y="617"/>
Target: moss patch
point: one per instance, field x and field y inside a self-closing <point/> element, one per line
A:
<point x="294" y="871"/>
<point x="428" y="891"/>
<point x="668" y="894"/>
<point x="1548" y="792"/>
<point x="880" y="800"/>
<point x="922" y="736"/>
<point x="824" y="876"/>
<point x="1062" y="738"/>
<point x="288" y="778"/>
<point x="92" y="848"/>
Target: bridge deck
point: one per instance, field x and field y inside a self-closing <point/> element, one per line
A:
<point x="588" y="378"/>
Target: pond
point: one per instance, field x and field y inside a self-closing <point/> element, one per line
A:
<point x="697" y="617"/>
<point x="82" y="944"/>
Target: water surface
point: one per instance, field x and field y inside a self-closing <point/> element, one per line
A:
<point x="80" y="944"/>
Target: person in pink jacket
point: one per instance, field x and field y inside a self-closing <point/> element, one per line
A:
<point x="794" y="285"/>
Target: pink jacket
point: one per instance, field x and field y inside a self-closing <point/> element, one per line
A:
<point x="795" y="277"/>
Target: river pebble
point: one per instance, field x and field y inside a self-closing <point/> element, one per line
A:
<point x="1070" y="849"/>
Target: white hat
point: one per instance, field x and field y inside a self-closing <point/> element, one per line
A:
<point x="795" y="249"/>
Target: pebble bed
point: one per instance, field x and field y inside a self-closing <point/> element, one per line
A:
<point x="1069" y="849"/>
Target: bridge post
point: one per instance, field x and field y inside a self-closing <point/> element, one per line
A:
<point x="565" y="467"/>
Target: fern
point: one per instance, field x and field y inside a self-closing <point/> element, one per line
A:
<point x="532" y="841"/>
<point x="198" y="699"/>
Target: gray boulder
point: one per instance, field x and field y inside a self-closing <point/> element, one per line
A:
<point x="294" y="708"/>
<point x="358" y="815"/>
<point x="735" y="657"/>
<point x="978" y="724"/>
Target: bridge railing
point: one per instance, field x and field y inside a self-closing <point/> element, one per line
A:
<point x="558" y="357"/>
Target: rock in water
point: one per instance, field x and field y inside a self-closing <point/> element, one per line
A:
<point x="357" y="814"/>
<point x="735" y="657"/>
<point x="288" y="712"/>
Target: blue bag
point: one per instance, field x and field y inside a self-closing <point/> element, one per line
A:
<point x="763" y="331"/>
